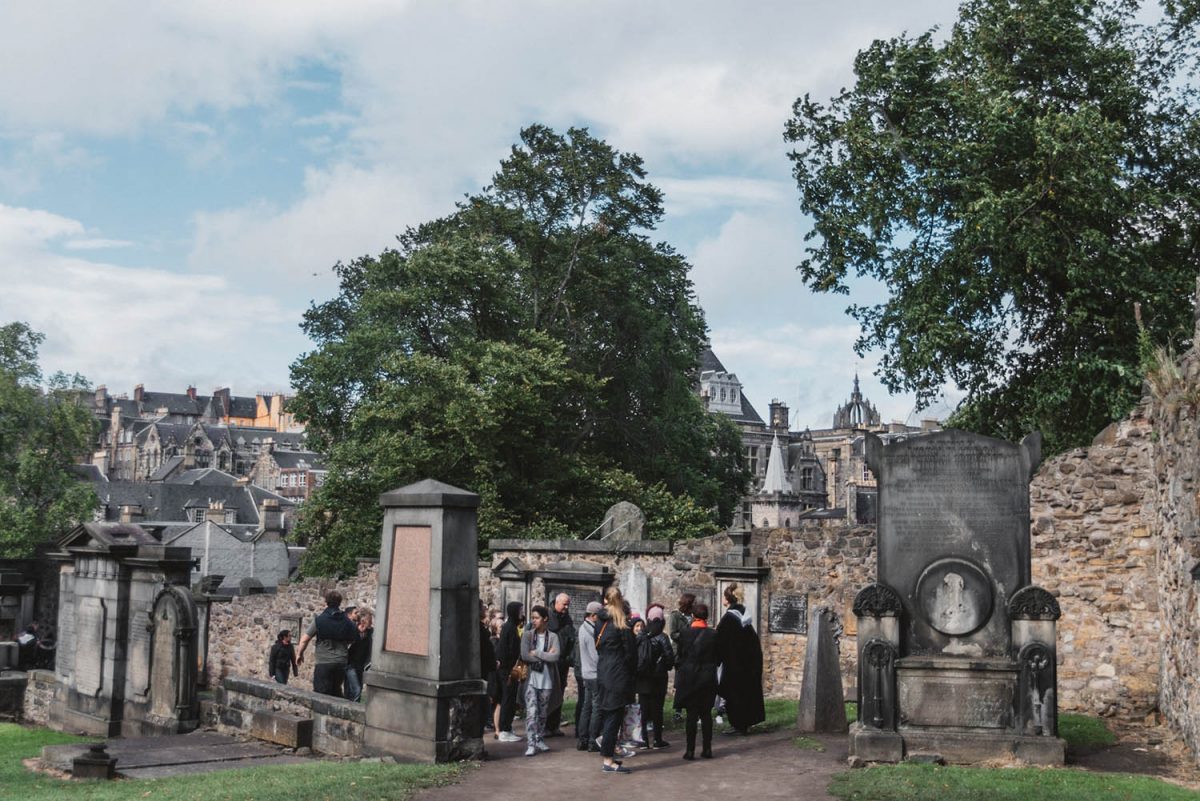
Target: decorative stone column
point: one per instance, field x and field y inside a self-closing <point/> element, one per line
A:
<point x="424" y="687"/>
<point x="873" y="736"/>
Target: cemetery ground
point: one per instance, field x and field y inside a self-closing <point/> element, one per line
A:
<point x="775" y="761"/>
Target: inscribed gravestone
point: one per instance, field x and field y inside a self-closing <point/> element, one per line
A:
<point x="163" y="674"/>
<point x="954" y="536"/>
<point x="89" y="646"/>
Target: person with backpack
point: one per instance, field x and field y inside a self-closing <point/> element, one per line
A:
<point x="655" y="660"/>
<point x="334" y="632"/>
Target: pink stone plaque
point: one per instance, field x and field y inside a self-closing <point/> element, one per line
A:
<point x="408" y="592"/>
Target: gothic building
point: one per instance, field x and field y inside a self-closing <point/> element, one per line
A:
<point x="802" y="474"/>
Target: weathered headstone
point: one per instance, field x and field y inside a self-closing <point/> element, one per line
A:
<point x="943" y="653"/>
<point x="424" y="685"/>
<point x="127" y="634"/>
<point x="822" y="704"/>
<point x="635" y="587"/>
<point x="623" y="521"/>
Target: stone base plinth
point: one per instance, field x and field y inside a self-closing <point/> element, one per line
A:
<point x="875" y="745"/>
<point x="955" y="745"/>
<point x="421" y="720"/>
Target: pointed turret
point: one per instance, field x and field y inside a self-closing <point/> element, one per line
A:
<point x="776" y="480"/>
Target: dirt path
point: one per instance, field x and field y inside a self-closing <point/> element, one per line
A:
<point x="758" y="767"/>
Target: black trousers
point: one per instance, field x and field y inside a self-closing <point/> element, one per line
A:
<point x="554" y="717"/>
<point x="508" y="704"/>
<point x="652" y="715"/>
<point x="328" y="678"/>
<point x="699" y="714"/>
<point x="579" y="690"/>
<point x="587" y="727"/>
<point x="610" y="726"/>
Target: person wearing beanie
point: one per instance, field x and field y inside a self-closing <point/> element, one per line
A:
<point x="655" y="660"/>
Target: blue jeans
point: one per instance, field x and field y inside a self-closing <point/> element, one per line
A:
<point x="353" y="687"/>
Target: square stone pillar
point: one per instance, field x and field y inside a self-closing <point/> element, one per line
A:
<point x="424" y="688"/>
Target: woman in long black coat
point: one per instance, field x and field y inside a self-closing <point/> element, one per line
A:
<point x="741" y="664"/>
<point x="616" y="665"/>
<point x="696" y="679"/>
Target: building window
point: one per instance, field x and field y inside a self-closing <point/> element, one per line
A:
<point x="199" y="515"/>
<point x="866" y="472"/>
<point x="806" y="478"/>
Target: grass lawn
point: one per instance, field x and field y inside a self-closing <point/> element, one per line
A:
<point x="909" y="782"/>
<point x="336" y="781"/>
<point x="1084" y="731"/>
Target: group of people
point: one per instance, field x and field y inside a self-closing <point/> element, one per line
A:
<point x="622" y="658"/>
<point x="341" y="644"/>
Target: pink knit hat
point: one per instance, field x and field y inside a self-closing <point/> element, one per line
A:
<point x="654" y="613"/>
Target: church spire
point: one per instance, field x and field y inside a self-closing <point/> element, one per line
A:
<point x="776" y="481"/>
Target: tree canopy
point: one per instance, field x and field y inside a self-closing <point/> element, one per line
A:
<point x="535" y="347"/>
<point x="43" y="431"/>
<point x="1017" y="187"/>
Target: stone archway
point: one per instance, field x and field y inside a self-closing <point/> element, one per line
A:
<point x="171" y="688"/>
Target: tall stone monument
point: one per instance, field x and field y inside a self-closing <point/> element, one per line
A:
<point x="424" y="688"/>
<point x="956" y="648"/>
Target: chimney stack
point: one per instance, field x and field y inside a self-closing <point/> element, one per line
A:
<point x="191" y="392"/>
<point x="271" y="518"/>
<point x="131" y="513"/>
<point x="138" y="393"/>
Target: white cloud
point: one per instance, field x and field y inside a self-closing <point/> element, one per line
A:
<point x="97" y="244"/>
<point x="690" y="195"/>
<point x="122" y="326"/>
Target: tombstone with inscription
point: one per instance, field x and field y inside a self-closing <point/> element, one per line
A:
<point x="424" y="686"/>
<point x="127" y="634"/>
<point x="822" y="706"/>
<point x="956" y="647"/>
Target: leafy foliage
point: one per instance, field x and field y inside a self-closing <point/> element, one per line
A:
<point x="43" y="431"/>
<point x="1017" y="188"/>
<point x="535" y="347"/>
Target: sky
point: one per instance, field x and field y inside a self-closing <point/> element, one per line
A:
<point x="177" y="179"/>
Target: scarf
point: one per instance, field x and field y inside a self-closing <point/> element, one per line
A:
<point x="699" y="624"/>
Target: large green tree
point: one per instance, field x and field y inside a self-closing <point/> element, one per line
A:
<point x="44" y="429"/>
<point x="1016" y="187"/>
<point x="535" y="347"/>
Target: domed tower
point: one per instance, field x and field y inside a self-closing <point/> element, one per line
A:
<point x="857" y="412"/>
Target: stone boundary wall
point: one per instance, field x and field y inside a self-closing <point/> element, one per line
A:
<point x="1174" y="410"/>
<point x="40" y="687"/>
<point x="1093" y="547"/>
<point x="338" y="726"/>
<point x="241" y="630"/>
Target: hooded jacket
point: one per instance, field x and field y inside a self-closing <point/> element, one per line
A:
<point x="508" y="649"/>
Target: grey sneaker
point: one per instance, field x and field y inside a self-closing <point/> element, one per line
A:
<point x="530" y="751"/>
<point x="508" y="737"/>
<point x="541" y="745"/>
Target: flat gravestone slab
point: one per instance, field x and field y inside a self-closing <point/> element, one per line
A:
<point x="953" y="536"/>
<point x="175" y="755"/>
<point x="408" y="599"/>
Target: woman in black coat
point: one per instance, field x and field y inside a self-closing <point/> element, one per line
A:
<point x="655" y="660"/>
<point x="741" y="664"/>
<point x="616" y="651"/>
<point x="696" y="679"/>
<point x="508" y="651"/>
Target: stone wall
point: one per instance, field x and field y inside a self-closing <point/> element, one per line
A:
<point x="338" y="725"/>
<point x="241" y="630"/>
<point x="1174" y="410"/>
<point x="1093" y="547"/>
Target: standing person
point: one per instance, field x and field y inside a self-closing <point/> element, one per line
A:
<point x="587" y="728"/>
<point x="615" y="668"/>
<point x="495" y="681"/>
<point x="741" y="664"/>
<point x="655" y="660"/>
<point x="540" y="650"/>
<point x="696" y="680"/>
<point x="334" y="632"/>
<point x="680" y="618"/>
<point x="561" y="624"/>
<point x="487" y="667"/>
<point x="282" y="658"/>
<point x="508" y="652"/>
<point x="359" y="657"/>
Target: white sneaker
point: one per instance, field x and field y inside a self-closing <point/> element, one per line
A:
<point x="530" y="751"/>
<point x="509" y="737"/>
<point x="541" y="745"/>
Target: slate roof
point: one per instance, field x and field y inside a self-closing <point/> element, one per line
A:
<point x="302" y="460"/>
<point x="205" y="477"/>
<point x="173" y="402"/>
<point x="165" y="469"/>
<point x="749" y="416"/>
<point x="243" y="406"/>
<point x="89" y="472"/>
<point x="167" y="502"/>
<point x="244" y="532"/>
<point x="283" y="439"/>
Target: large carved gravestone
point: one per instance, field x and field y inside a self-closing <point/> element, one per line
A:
<point x="424" y="688"/>
<point x="956" y="648"/>
<point x="127" y="634"/>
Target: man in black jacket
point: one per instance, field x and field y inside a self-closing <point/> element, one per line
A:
<point x="508" y="651"/>
<point x="562" y="625"/>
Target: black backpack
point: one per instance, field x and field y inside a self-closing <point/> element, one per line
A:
<point x="665" y="660"/>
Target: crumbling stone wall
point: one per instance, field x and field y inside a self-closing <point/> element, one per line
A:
<point x="242" y="630"/>
<point x="1174" y="407"/>
<point x="1093" y="547"/>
